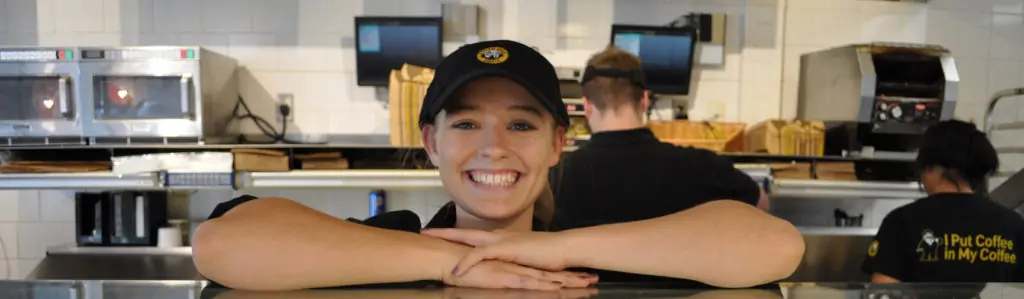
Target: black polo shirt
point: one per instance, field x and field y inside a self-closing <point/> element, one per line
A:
<point x="402" y="220"/>
<point x="951" y="237"/>
<point x="629" y="175"/>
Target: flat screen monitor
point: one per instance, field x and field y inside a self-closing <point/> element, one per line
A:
<point x="666" y="53"/>
<point x="385" y="43"/>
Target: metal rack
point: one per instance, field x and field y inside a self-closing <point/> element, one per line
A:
<point x="846" y="189"/>
<point x="343" y="179"/>
<point x="407" y="179"/>
<point x="1008" y="193"/>
<point x="80" y="181"/>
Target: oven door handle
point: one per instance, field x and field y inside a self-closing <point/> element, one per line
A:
<point x="186" y="94"/>
<point x="62" y="95"/>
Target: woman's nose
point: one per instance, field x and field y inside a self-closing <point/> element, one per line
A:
<point x="494" y="144"/>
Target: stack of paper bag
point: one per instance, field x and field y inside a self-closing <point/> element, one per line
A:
<point x="407" y="88"/>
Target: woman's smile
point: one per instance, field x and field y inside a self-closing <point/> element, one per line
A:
<point x="493" y="178"/>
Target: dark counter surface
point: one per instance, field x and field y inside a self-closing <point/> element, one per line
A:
<point x="95" y="289"/>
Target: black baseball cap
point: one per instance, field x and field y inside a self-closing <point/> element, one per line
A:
<point x="497" y="58"/>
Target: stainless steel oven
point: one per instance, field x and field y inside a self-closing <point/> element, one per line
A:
<point x="39" y="88"/>
<point x="157" y="95"/>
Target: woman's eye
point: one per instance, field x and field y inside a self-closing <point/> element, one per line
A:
<point x="522" y="127"/>
<point x="463" y="125"/>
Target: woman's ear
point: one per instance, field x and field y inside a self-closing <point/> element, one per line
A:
<point x="429" y="134"/>
<point x="645" y="103"/>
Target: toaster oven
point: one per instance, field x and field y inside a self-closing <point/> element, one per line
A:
<point x="38" y="97"/>
<point x="157" y="95"/>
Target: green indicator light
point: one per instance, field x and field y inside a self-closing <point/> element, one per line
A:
<point x="191" y="54"/>
<point x="68" y="54"/>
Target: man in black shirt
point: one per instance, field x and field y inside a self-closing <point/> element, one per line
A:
<point x="624" y="173"/>
<point x="956" y="233"/>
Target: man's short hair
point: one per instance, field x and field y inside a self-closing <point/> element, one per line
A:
<point x="613" y="92"/>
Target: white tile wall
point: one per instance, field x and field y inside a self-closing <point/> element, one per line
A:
<point x="31" y="221"/>
<point x="304" y="47"/>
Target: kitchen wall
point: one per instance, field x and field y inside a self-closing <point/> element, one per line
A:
<point x="304" y="47"/>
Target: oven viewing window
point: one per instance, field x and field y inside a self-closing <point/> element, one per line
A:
<point x="34" y="98"/>
<point x="141" y="97"/>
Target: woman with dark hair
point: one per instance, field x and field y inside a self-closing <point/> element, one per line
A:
<point x="955" y="234"/>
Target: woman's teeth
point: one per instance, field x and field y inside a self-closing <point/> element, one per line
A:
<point x="494" y="179"/>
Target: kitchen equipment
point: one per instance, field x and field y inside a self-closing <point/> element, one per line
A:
<point x="889" y="92"/>
<point x="877" y="100"/>
<point x="578" y="132"/>
<point x="168" y="237"/>
<point x="122" y="218"/>
<point x="846" y="220"/>
<point x="157" y="95"/>
<point x="38" y="97"/>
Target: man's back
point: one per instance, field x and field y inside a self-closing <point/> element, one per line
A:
<point x="622" y="176"/>
<point x="629" y="175"/>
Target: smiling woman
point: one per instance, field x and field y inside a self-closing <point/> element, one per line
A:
<point x="493" y="121"/>
<point x="498" y="144"/>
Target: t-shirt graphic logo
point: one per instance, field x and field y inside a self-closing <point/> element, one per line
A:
<point x="928" y="247"/>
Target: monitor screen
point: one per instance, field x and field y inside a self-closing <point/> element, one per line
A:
<point x="385" y="43"/>
<point x="666" y="53"/>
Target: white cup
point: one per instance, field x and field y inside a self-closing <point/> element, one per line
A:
<point x="168" y="237"/>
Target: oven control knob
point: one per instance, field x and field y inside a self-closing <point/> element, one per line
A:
<point x="896" y="112"/>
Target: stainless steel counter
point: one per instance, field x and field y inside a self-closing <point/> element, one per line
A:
<point x="117" y="263"/>
<point x="93" y="289"/>
<point x="834" y="254"/>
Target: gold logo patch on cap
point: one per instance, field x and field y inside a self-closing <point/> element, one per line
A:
<point x="492" y="55"/>
<point x="873" y="249"/>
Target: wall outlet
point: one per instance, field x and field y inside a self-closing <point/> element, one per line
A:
<point x="286" y="100"/>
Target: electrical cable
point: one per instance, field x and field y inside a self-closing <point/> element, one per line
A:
<point x="264" y="126"/>
<point x="650" y="105"/>
<point x="7" y="261"/>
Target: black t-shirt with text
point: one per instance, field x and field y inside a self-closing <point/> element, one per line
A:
<point x="629" y="175"/>
<point x="951" y="237"/>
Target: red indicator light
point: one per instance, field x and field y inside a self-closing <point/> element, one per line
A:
<point x="61" y="55"/>
<point x="184" y="54"/>
<point x="920" y="107"/>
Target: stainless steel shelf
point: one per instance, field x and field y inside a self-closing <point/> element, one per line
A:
<point x="838" y="231"/>
<point x="75" y="250"/>
<point x="83" y="180"/>
<point x="845" y="189"/>
<point x="343" y="179"/>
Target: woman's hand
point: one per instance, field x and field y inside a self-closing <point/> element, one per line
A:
<point x="533" y="249"/>
<point x="499" y="275"/>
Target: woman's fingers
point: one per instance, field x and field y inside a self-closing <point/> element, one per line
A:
<point x="521" y="281"/>
<point x="566" y="279"/>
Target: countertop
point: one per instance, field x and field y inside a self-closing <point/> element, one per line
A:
<point x="95" y="289"/>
